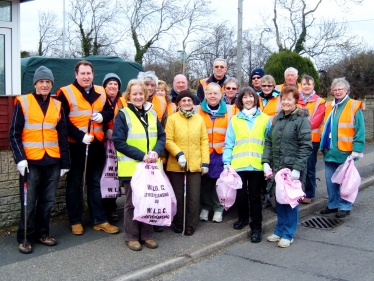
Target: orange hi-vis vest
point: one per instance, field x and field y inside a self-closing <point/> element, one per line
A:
<point x="272" y="108"/>
<point x="346" y="122"/>
<point x="121" y="103"/>
<point x="39" y="135"/>
<point x="161" y="106"/>
<point x="81" y="110"/>
<point x="281" y="86"/>
<point x="312" y="107"/>
<point x="216" y="130"/>
<point x="204" y="83"/>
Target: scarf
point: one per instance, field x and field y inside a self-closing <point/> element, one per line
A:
<point x="249" y="112"/>
<point x="306" y="98"/>
<point x="187" y="114"/>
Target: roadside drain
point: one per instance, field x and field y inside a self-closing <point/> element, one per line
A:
<point x="322" y="223"/>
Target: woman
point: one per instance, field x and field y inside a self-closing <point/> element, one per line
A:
<point x="216" y="116"/>
<point x="137" y="131"/>
<point x="343" y="134"/>
<point x="112" y="85"/>
<point x="244" y="145"/>
<point x="288" y="145"/>
<point x="269" y="101"/>
<point x="187" y="143"/>
<point x="231" y="86"/>
<point x="316" y="105"/>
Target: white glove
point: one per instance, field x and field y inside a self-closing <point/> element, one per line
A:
<point x="21" y="165"/>
<point x="226" y="167"/>
<point x="266" y="168"/>
<point x="109" y="134"/>
<point x="97" y="117"/>
<point x="182" y="161"/>
<point x="87" y="139"/>
<point x="204" y="170"/>
<point x="63" y="172"/>
<point x="295" y="174"/>
<point x="355" y="154"/>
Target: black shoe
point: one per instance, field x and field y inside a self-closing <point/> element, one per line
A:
<point x="328" y="211"/>
<point x="178" y="228"/>
<point x="256" y="236"/>
<point x="157" y="228"/>
<point x="48" y="241"/>
<point x="25" y="249"/>
<point x="342" y="214"/>
<point x="189" y="231"/>
<point x="240" y="224"/>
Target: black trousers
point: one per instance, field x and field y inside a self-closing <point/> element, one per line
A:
<point x="251" y="191"/>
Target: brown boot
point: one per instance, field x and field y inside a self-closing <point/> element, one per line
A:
<point x="77" y="229"/>
<point x="25" y="249"/>
<point x="134" y="245"/>
<point x="107" y="227"/>
<point x="151" y="244"/>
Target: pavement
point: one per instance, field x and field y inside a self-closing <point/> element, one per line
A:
<point x="100" y="256"/>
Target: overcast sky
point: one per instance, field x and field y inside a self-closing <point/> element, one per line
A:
<point x="360" y="18"/>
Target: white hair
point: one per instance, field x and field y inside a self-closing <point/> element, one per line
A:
<point x="148" y="76"/>
<point x="291" y="69"/>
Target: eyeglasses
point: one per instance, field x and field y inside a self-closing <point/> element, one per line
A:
<point x="256" y="78"/>
<point x="186" y="101"/>
<point x="219" y="66"/>
<point x="231" y="88"/>
<point x="267" y="86"/>
<point x="337" y="90"/>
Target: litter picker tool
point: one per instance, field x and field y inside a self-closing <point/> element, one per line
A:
<point x="25" y="187"/>
<point x="85" y="164"/>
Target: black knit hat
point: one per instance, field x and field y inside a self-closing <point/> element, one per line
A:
<point x="43" y="73"/>
<point x="258" y="71"/>
<point x="183" y="94"/>
<point x="112" y="77"/>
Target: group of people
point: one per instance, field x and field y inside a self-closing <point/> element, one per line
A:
<point x="256" y="130"/>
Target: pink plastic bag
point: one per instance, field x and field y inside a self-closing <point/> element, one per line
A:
<point x="227" y="184"/>
<point x="152" y="195"/>
<point x="349" y="179"/>
<point x="288" y="191"/>
<point x="109" y="182"/>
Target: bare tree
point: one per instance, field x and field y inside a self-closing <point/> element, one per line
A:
<point x="49" y="34"/>
<point x="151" y="21"/>
<point x="94" y="22"/>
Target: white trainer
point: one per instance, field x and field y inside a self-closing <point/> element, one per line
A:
<point x="217" y="217"/>
<point x="284" y="243"/>
<point x="204" y="215"/>
<point x="273" y="238"/>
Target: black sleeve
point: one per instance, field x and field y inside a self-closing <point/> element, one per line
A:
<point x="120" y="132"/>
<point x="15" y="134"/>
<point x="200" y="92"/>
<point x="73" y="131"/>
<point x="161" y="139"/>
<point x="62" y="131"/>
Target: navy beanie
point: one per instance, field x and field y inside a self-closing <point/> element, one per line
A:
<point x="258" y="71"/>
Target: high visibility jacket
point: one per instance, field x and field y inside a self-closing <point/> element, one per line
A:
<point x="161" y="106"/>
<point x="312" y="107"/>
<point x="249" y="144"/>
<point x="137" y="136"/>
<point x="39" y="135"/>
<point x="281" y="86"/>
<point x="204" y="83"/>
<point x="116" y="107"/>
<point x="272" y="108"/>
<point x="216" y="129"/>
<point x="81" y="110"/>
<point x="346" y="129"/>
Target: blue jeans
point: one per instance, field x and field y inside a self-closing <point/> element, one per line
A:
<point x="95" y="166"/>
<point x="333" y="189"/>
<point x="288" y="220"/>
<point x="310" y="184"/>
<point x="41" y="192"/>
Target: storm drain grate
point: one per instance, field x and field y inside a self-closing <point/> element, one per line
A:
<point x="322" y="223"/>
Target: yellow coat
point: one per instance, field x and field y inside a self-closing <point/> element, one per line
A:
<point x="190" y="137"/>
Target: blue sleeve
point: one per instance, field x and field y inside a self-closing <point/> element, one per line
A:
<point x="229" y="145"/>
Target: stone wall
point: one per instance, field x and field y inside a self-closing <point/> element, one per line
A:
<point x="9" y="192"/>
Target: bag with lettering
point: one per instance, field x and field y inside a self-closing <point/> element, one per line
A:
<point x="109" y="182"/>
<point x="227" y="184"/>
<point x="152" y="195"/>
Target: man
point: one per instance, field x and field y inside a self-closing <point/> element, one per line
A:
<point x="39" y="141"/>
<point x="180" y="84"/>
<point x="218" y="76"/>
<point x="256" y="76"/>
<point x="290" y="79"/>
<point x="82" y="101"/>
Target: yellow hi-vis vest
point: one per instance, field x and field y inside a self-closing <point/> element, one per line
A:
<point x="249" y="144"/>
<point x="138" y="137"/>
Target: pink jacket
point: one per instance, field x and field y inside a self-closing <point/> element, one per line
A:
<point x="288" y="191"/>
